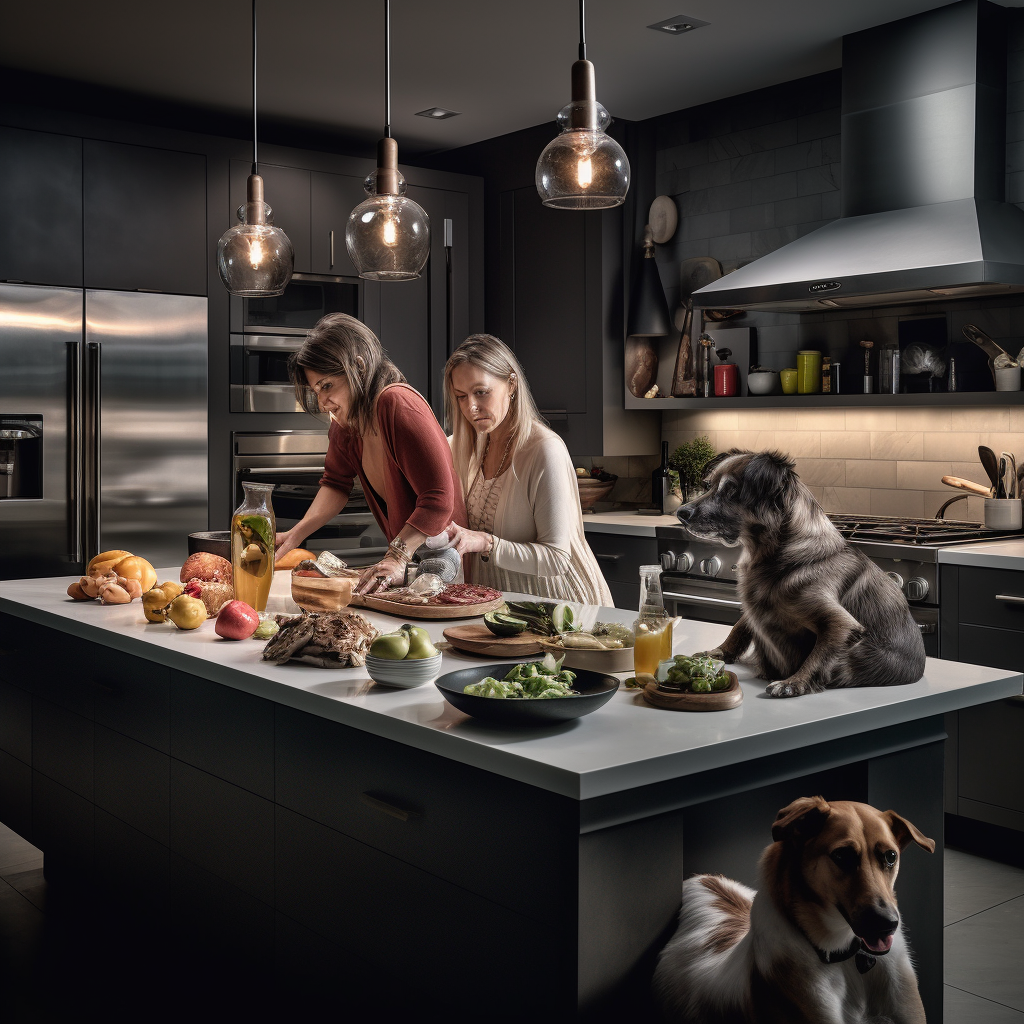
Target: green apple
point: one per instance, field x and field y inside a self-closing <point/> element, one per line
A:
<point x="419" y="642"/>
<point x="393" y="646"/>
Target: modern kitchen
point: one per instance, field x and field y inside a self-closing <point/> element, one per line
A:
<point x="737" y="291"/>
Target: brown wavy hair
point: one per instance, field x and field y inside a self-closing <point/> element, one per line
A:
<point x="340" y="345"/>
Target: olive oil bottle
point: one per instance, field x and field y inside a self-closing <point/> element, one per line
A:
<point x="252" y="546"/>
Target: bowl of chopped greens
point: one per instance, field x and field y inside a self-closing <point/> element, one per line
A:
<point x="525" y="693"/>
<point x="696" y="673"/>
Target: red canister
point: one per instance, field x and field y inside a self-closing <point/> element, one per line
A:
<point x="727" y="380"/>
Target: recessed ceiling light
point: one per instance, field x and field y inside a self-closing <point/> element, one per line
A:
<point x="437" y="113"/>
<point x="678" y="25"/>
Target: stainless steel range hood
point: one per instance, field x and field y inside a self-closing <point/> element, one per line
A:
<point x="923" y="172"/>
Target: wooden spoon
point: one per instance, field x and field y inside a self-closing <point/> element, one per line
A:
<point x="967" y="485"/>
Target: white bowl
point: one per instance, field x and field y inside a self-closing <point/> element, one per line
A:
<point x="406" y="673"/>
<point x="762" y="382"/>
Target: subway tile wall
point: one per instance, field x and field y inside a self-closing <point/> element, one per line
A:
<point x="875" y="461"/>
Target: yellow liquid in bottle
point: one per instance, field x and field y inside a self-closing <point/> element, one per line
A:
<point x="252" y="564"/>
<point x="650" y="648"/>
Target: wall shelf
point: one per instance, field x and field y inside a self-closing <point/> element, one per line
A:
<point x="936" y="400"/>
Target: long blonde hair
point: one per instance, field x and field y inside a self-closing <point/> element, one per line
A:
<point x="493" y="356"/>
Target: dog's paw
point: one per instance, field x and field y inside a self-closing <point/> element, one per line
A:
<point x="718" y="654"/>
<point x="785" y="688"/>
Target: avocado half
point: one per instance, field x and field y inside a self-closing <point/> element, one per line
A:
<point x="503" y="624"/>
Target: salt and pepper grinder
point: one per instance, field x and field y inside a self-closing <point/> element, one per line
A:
<point x="707" y="345"/>
<point x="727" y="375"/>
<point x="869" y="381"/>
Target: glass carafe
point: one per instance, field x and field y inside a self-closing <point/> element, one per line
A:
<point x="252" y="546"/>
<point x="653" y="627"/>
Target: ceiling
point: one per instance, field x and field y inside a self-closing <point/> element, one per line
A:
<point x="504" y="65"/>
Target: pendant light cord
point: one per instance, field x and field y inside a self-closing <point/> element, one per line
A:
<point x="387" y="69"/>
<point x="254" y="164"/>
<point x="583" y="31"/>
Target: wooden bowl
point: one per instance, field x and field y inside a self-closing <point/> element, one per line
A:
<point x="322" y="593"/>
<point x="619" y="659"/>
<point x="593" y="491"/>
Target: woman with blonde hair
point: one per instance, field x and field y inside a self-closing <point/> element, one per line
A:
<point x="525" y="530"/>
<point x="382" y="431"/>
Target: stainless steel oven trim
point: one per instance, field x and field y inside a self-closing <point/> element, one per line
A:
<point x="701" y="599"/>
<point x="269" y="342"/>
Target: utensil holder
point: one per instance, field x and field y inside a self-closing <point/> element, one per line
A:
<point x="1007" y="378"/>
<point x="1003" y="513"/>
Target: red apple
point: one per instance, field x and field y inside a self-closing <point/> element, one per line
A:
<point x="236" y="621"/>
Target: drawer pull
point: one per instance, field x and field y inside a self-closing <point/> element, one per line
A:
<point x="927" y="627"/>
<point x="1010" y="599"/>
<point x="401" y="813"/>
<point x="607" y="558"/>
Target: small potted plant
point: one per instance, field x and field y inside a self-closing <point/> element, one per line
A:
<point x="688" y="461"/>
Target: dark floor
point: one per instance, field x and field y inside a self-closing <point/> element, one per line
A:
<point x="62" y="961"/>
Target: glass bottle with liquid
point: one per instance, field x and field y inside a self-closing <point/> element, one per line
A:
<point x="653" y="627"/>
<point x="252" y="546"/>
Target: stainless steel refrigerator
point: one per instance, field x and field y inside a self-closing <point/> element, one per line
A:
<point x="103" y="429"/>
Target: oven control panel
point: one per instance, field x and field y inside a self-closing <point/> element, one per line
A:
<point x="683" y="555"/>
<point x="917" y="580"/>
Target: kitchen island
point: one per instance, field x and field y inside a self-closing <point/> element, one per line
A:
<point x="335" y="827"/>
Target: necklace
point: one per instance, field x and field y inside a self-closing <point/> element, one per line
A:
<point x="501" y="465"/>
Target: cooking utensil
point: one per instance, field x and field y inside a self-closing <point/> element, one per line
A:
<point x="1000" y="487"/>
<point x="984" y="342"/>
<point x="216" y="542"/>
<point x="1010" y="486"/>
<point x="693" y="274"/>
<point x="967" y="485"/>
<point x="989" y="462"/>
<point x="595" y="690"/>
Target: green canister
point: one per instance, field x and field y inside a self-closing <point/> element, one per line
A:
<point x="808" y="372"/>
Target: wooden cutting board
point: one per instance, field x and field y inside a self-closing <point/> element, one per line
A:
<point x="721" y="701"/>
<point x="476" y="638"/>
<point x="425" y="611"/>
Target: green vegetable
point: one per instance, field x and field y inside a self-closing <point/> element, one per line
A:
<point x="563" y="619"/>
<point x="265" y="630"/>
<point x="503" y="624"/>
<point x="537" y="613"/>
<point x="533" y="679"/>
<point x="632" y="684"/>
<point x="701" y="685"/>
<point x="259" y="526"/>
<point x="721" y="682"/>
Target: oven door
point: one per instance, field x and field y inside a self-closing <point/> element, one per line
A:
<point x="700" y="600"/>
<point x="307" y="298"/>
<point x="927" y="619"/>
<point x="259" y="373"/>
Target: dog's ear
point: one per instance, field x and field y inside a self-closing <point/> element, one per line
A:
<point x="801" y="819"/>
<point x="906" y="832"/>
<point x="766" y="477"/>
<point x="713" y="464"/>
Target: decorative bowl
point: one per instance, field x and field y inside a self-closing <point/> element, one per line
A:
<point x="762" y="382"/>
<point x="596" y="688"/>
<point x="406" y="673"/>
<point x="619" y="659"/>
<point x="322" y="593"/>
<point x="592" y="491"/>
<point x="217" y="542"/>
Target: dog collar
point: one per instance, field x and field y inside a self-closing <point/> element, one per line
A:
<point x="865" y="961"/>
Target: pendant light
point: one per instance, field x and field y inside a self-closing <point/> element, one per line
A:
<point x="254" y="258"/>
<point x="583" y="168"/>
<point x="388" y="235"/>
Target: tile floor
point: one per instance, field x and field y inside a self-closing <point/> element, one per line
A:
<point x="59" y="965"/>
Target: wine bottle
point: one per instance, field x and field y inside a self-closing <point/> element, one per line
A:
<point x="661" y="485"/>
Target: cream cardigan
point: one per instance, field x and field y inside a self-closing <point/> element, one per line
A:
<point x="539" y="544"/>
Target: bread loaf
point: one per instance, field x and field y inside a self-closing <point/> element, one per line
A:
<point x="293" y="557"/>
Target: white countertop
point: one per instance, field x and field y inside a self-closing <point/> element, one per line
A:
<point x="623" y="745"/>
<point x="631" y="523"/>
<point x="992" y="554"/>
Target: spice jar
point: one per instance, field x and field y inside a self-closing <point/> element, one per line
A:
<point x="727" y="376"/>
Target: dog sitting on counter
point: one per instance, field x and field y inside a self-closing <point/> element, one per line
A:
<point x="819" y="943"/>
<point x="817" y="613"/>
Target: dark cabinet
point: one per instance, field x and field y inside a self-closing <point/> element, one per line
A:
<point x="332" y="199"/>
<point x="144" y="216"/>
<point x="40" y="207"/>
<point x="286" y="190"/>
<point x="620" y="557"/>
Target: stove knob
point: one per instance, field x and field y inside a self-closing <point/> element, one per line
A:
<point x="896" y="578"/>
<point x="711" y="566"/>
<point x="668" y="561"/>
<point x="917" y="589"/>
<point x="684" y="562"/>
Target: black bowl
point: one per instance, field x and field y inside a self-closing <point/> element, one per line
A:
<point x="217" y="542"/>
<point x="596" y="688"/>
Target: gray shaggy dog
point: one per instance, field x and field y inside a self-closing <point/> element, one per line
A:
<point x="817" y="612"/>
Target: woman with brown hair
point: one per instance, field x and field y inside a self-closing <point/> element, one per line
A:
<point x="525" y="523"/>
<point x="382" y="431"/>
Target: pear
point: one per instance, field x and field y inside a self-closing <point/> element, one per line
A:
<point x="419" y="643"/>
<point x="392" y="646"/>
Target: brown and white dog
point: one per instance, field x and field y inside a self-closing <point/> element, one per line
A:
<point x="819" y="943"/>
<point x="817" y="612"/>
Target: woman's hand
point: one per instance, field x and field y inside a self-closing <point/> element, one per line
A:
<point x="284" y="542"/>
<point x="388" y="572"/>
<point x="468" y="542"/>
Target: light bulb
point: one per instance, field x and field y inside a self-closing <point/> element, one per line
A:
<point x="255" y="253"/>
<point x="584" y="172"/>
<point x="390" y="234"/>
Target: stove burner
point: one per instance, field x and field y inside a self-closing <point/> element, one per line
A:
<point x="897" y="530"/>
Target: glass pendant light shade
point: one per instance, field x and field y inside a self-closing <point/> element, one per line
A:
<point x="388" y="235"/>
<point x="254" y="258"/>
<point x="583" y="168"/>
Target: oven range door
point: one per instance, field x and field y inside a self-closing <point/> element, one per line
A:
<point x="699" y="599"/>
<point x="927" y="619"/>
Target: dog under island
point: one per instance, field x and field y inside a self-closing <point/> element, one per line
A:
<point x="366" y="829"/>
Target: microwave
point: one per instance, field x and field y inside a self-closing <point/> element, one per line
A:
<point x="266" y="331"/>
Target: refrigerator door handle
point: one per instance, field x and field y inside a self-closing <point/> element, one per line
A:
<point x="74" y="462"/>
<point x="93" y="429"/>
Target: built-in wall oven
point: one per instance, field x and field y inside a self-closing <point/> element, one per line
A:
<point x="265" y="332"/>
<point x="293" y="461"/>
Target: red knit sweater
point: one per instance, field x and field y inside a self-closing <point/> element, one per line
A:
<point x="422" y="488"/>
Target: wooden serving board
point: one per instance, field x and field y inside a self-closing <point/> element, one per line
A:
<point x="476" y="638"/>
<point x="425" y="611"/>
<point x="721" y="701"/>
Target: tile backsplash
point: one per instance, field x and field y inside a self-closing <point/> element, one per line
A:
<point x="873" y="461"/>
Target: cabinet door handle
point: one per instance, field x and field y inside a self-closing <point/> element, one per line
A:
<point x="701" y="599"/>
<point x="607" y="558"/>
<point x="927" y="627"/>
<point x="401" y="813"/>
<point x="1010" y="599"/>
<point x="332" y="248"/>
